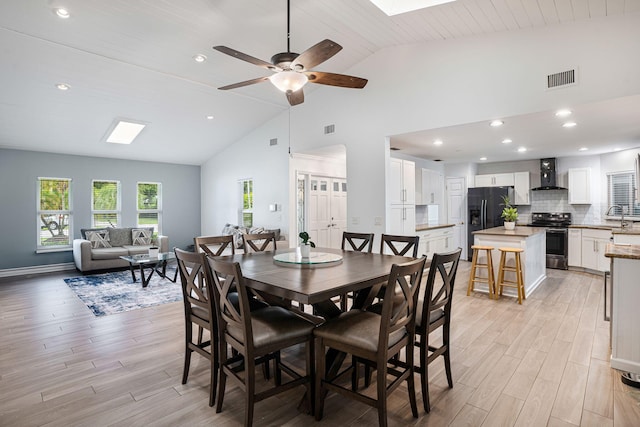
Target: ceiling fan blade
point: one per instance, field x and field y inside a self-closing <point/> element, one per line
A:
<point x="245" y="57"/>
<point x="316" y="54"/>
<point x="296" y="97"/>
<point x="332" y="79"/>
<point x="245" y="83"/>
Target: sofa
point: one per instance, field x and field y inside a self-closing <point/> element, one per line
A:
<point x="101" y="248"/>
<point x="237" y="231"/>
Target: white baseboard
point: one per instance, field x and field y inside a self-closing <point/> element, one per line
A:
<point x="37" y="269"/>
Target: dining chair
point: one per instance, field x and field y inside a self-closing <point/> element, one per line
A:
<point x="214" y="245"/>
<point x="256" y="336"/>
<point x="375" y="339"/>
<point x="400" y="245"/>
<point x="198" y="300"/>
<point x="433" y="313"/>
<point x="359" y="242"/>
<point x="259" y="242"/>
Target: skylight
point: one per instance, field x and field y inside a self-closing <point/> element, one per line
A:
<point x="124" y="132"/>
<point x="396" y="7"/>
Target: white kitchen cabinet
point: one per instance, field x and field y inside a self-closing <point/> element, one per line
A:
<point x="626" y="238"/>
<point x="402" y="186"/>
<point x="580" y="186"/>
<point x="435" y="241"/>
<point x="429" y="187"/>
<point x="575" y="247"/>
<point x="494" y="180"/>
<point x="594" y="243"/>
<point x="402" y="220"/>
<point x="521" y="186"/>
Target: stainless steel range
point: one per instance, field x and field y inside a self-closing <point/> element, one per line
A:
<point x="557" y="224"/>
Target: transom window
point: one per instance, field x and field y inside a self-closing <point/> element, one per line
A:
<point x="54" y="214"/>
<point x="105" y="203"/>
<point x="150" y="206"/>
<point x="621" y="191"/>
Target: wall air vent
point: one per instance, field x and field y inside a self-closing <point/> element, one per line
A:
<point x="394" y="149"/>
<point x="562" y="79"/>
<point x="329" y="129"/>
<point x="273" y="141"/>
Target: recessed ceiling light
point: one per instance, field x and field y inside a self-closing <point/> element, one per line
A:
<point x="563" y="113"/>
<point x="569" y="124"/>
<point x="124" y="131"/>
<point x="507" y="141"/>
<point x="62" y="12"/>
<point x="496" y="123"/>
<point x="522" y="149"/>
<point x="617" y="149"/>
<point x="582" y="149"/>
<point x="437" y="142"/>
<point x="209" y="117"/>
<point x="483" y="158"/>
<point x="200" y="58"/>
<point x="63" y="86"/>
<point x="393" y="7"/>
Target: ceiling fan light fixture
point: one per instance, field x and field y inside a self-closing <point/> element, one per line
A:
<point x="288" y="81"/>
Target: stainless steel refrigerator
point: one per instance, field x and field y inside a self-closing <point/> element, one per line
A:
<point x="485" y="206"/>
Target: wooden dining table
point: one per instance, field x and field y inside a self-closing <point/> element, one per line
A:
<point x="317" y="285"/>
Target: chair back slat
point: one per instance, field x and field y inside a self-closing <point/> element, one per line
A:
<point x="442" y="272"/>
<point x="359" y="242"/>
<point x="258" y="242"/>
<point x="194" y="279"/>
<point x="401" y="298"/>
<point x="214" y="245"/>
<point x="400" y="245"/>
<point x="228" y="280"/>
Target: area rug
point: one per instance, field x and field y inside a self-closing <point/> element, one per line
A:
<point x="111" y="293"/>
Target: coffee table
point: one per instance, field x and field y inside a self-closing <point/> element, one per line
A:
<point x="157" y="264"/>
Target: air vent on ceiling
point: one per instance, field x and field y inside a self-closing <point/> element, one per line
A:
<point x="329" y="129"/>
<point x="564" y="78"/>
<point x="273" y="141"/>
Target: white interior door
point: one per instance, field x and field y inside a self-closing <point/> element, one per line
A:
<point x="456" y="210"/>
<point x="327" y="210"/>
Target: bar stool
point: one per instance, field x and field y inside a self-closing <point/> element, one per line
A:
<point x="517" y="269"/>
<point x="473" y="278"/>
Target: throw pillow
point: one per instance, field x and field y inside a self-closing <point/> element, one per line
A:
<point x="120" y="236"/>
<point x="98" y="239"/>
<point x="228" y="229"/>
<point x="237" y="236"/>
<point x="141" y="236"/>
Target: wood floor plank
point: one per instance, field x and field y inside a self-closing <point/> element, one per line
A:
<point x="537" y="407"/>
<point x="570" y="398"/>
<point x="598" y="398"/>
<point x="504" y="413"/>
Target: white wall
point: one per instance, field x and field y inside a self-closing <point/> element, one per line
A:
<point x="434" y="85"/>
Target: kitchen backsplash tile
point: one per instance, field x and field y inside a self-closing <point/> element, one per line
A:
<point x="558" y="201"/>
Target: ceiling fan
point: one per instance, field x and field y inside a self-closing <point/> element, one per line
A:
<point x="292" y="70"/>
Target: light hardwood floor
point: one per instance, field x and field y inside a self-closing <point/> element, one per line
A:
<point x="542" y="363"/>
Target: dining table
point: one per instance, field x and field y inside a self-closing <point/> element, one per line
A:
<point x="317" y="283"/>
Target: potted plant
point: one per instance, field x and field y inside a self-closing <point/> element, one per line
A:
<point x="509" y="213"/>
<point x="306" y="245"/>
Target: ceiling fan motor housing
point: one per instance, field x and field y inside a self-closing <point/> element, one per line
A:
<point x="283" y="60"/>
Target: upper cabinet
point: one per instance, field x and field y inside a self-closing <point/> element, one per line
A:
<point x="580" y="186"/>
<point x="521" y="187"/>
<point x="429" y="187"/>
<point x="403" y="182"/>
<point x="494" y="180"/>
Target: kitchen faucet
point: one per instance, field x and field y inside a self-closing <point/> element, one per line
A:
<point x="623" y="224"/>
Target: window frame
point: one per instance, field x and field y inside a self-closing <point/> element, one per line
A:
<point x="157" y="210"/>
<point x="40" y="248"/>
<point x="633" y="212"/>
<point x="242" y="210"/>
<point x="117" y="211"/>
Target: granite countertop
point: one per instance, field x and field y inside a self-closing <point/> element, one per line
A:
<point x="518" y="231"/>
<point x="425" y="227"/>
<point x="615" y="229"/>
<point x="622" y="251"/>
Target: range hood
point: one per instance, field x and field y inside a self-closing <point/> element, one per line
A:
<point x="548" y="175"/>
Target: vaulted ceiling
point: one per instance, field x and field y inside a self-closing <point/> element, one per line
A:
<point x="134" y="59"/>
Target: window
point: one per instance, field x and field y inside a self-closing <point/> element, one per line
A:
<point x="621" y="191"/>
<point x="105" y="203"/>
<point x="150" y="206"/>
<point x="54" y="214"/>
<point x="245" y="213"/>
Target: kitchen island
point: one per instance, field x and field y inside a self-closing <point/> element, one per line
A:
<point x="625" y="316"/>
<point x="531" y="239"/>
